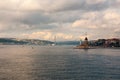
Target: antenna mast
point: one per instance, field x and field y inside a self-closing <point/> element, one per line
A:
<point x="86" y="34"/>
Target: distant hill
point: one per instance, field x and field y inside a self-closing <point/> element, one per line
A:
<point x="68" y="43"/>
<point x="14" y="41"/>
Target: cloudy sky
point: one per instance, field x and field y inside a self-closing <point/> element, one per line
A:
<point x="65" y="19"/>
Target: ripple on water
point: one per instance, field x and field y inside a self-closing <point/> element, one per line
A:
<point x="58" y="63"/>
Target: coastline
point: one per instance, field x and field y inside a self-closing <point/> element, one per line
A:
<point x="98" y="47"/>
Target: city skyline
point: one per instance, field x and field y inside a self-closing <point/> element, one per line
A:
<point x="65" y="19"/>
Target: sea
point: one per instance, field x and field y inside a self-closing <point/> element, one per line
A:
<point x="31" y="62"/>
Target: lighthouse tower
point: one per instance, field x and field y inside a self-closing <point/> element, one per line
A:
<point x="86" y="42"/>
<point x="84" y="45"/>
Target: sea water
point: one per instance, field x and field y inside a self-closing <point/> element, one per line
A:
<point x="18" y="62"/>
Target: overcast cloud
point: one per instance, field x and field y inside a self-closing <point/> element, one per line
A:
<point x="66" y="19"/>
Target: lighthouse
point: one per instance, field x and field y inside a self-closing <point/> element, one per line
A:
<point x="84" y="45"/>
<point x="85" y="42"/>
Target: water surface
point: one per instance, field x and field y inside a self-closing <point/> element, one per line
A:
<point x="58" y="63"/>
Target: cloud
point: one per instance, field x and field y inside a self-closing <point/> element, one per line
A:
<point x="84" y="24"/>
<point x="117" y="32"/>
<point x="111" y="15"/>
<point x="47" y="35"/>
<point x="68" y="19"/>
<point x="70" y="5"/>
<point x="103" y="19"/>
<point x="95" y="2"/>
<point x="99" y="24"/>
<point x="54" y="5"/>
<point x="40" y="35"/>
<point x="35" y="18"/>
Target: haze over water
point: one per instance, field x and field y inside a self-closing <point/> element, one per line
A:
<point x="58" y="63"/>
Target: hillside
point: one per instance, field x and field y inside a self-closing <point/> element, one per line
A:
<point x="14" y="41"/>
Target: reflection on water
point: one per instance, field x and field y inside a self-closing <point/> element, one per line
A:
<point x="58" y="63"/>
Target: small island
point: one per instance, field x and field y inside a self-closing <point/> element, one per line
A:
<point x="100" y="43"/>
<point x="84" y="45"/>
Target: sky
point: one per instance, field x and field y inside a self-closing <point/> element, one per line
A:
<point x="65" y="19"/>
